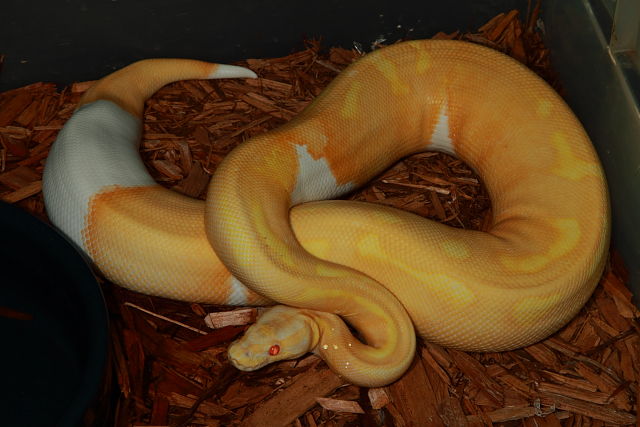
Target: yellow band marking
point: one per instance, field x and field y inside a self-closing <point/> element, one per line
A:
<point x="271" y="239"/>
<point x="569" y="233"/>
<point x="532" y="309"/>
<point x="321" y="294"/>
<point x="567" y="164"/>
<point x="351" y="100"/>
<point x="273" y="161"/>
<point x="528" y="264"/>
<point x="369" y="245"/>
<point x="328" y="271"/>
<point x="569" y="229"/>
<point x="456" y="249"/>
<point x="390" y="72"/>
<point x="451" y="290"/>
<point x="544" y="108"/>
<point x="318" y="247"/>
<point x="423" y="61"/>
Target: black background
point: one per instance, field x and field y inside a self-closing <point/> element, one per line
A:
<point x="74" y="40"/>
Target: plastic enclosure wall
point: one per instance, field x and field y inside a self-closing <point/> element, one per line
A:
<point x="594" y="45"/>
<point x="79" y="40"/>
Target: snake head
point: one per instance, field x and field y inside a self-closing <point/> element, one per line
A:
<point x="280" y="333"/>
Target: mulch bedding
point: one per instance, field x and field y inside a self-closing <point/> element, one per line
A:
<point x="171" y="368"/>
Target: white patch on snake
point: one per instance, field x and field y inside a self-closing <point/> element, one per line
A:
<point x="224" y="71"/>
<point x="315" y="181"/>
<point x="97" y="148"/>
<point x="441" y="140"/>
<point x="238" y="293"/>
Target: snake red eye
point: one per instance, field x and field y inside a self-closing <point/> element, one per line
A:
<point x="274" y="349"/>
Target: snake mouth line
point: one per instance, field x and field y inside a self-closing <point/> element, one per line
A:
<point x="239" y="365"/>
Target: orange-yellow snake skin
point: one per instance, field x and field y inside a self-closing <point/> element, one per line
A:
<point x="263" y="235"/>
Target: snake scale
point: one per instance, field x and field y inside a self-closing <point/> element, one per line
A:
<point x="266" y="232"/>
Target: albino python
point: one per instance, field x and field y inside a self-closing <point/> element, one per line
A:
<point x="387" y="273"/>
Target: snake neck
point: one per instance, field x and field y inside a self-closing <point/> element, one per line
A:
<point x="381" y="359"/>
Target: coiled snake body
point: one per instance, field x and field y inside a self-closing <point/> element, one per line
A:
<point x="387" y="273"/>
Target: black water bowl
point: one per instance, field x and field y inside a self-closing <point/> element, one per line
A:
<point x="53" y="326"/>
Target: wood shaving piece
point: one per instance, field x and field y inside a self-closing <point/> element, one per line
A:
<point x="562" y="346"/>
<point x="251" y="125"/>
<point x="441" y="356"/>
<point x="311" y="422"/>
<point x="167" y="168"/>
<point x="342" y="56"/>
<point x="505" y="414"/>
<point x="161" y="136"/>
<point x="378" y="397"/>
<point x="29" y="115"/>
<point x="134" y="351"/>
<point x="568" y="391"/>
<point x="195" y="90"/>
<point x="573" y="383"/>
<point x="15" y="144"/>
<point x="502" y="24"/>
<point x="603" y="383"/>
<point x="515" y="383"/>
<point x="282" y="87"/>
<point x="165" y="318"/>
<point x="543" y="355"/>
<point x="432" y="365"/>
<point x="627" y="362"/>
<point x="435" y="179"/>
<point x="417" y="186"/>
<point x="597" y="330"/>
<point x="589" y="409"/>
<point x="491" y="24"/>
<point x="185" y="156"/>
<point x="81" y="87"/>
<point x="328" y="66"/>
<point x="197" y="309"/>
<point x="308" y="360"/>
<point x="22" y="193"/>
<point x="621" y="296"/>
<point x="15" y="106"/>
<point x="414" y="408"/>
<point x="444" y="36"/>
<point x="239" y="317"/>
<point x="293" y="401"/>
<point x="475" y="371"/>
<point x="336" y="405"/>
<point x="206" y="407"/>
<point x="19" y="177"/>
<point x="48" y="127"/>
<point x="240" y="394"/>
<point x="266" y="105"/>
<point x="437" y="205"/>
<point x="216" y="337"/>
<point x="122" y="371"/>
<point x="451" y="412"/>
<point x="609" y="311"/>
<point x="160" y="411"/>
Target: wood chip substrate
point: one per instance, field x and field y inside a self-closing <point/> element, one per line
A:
<point x="169" y="358"/>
